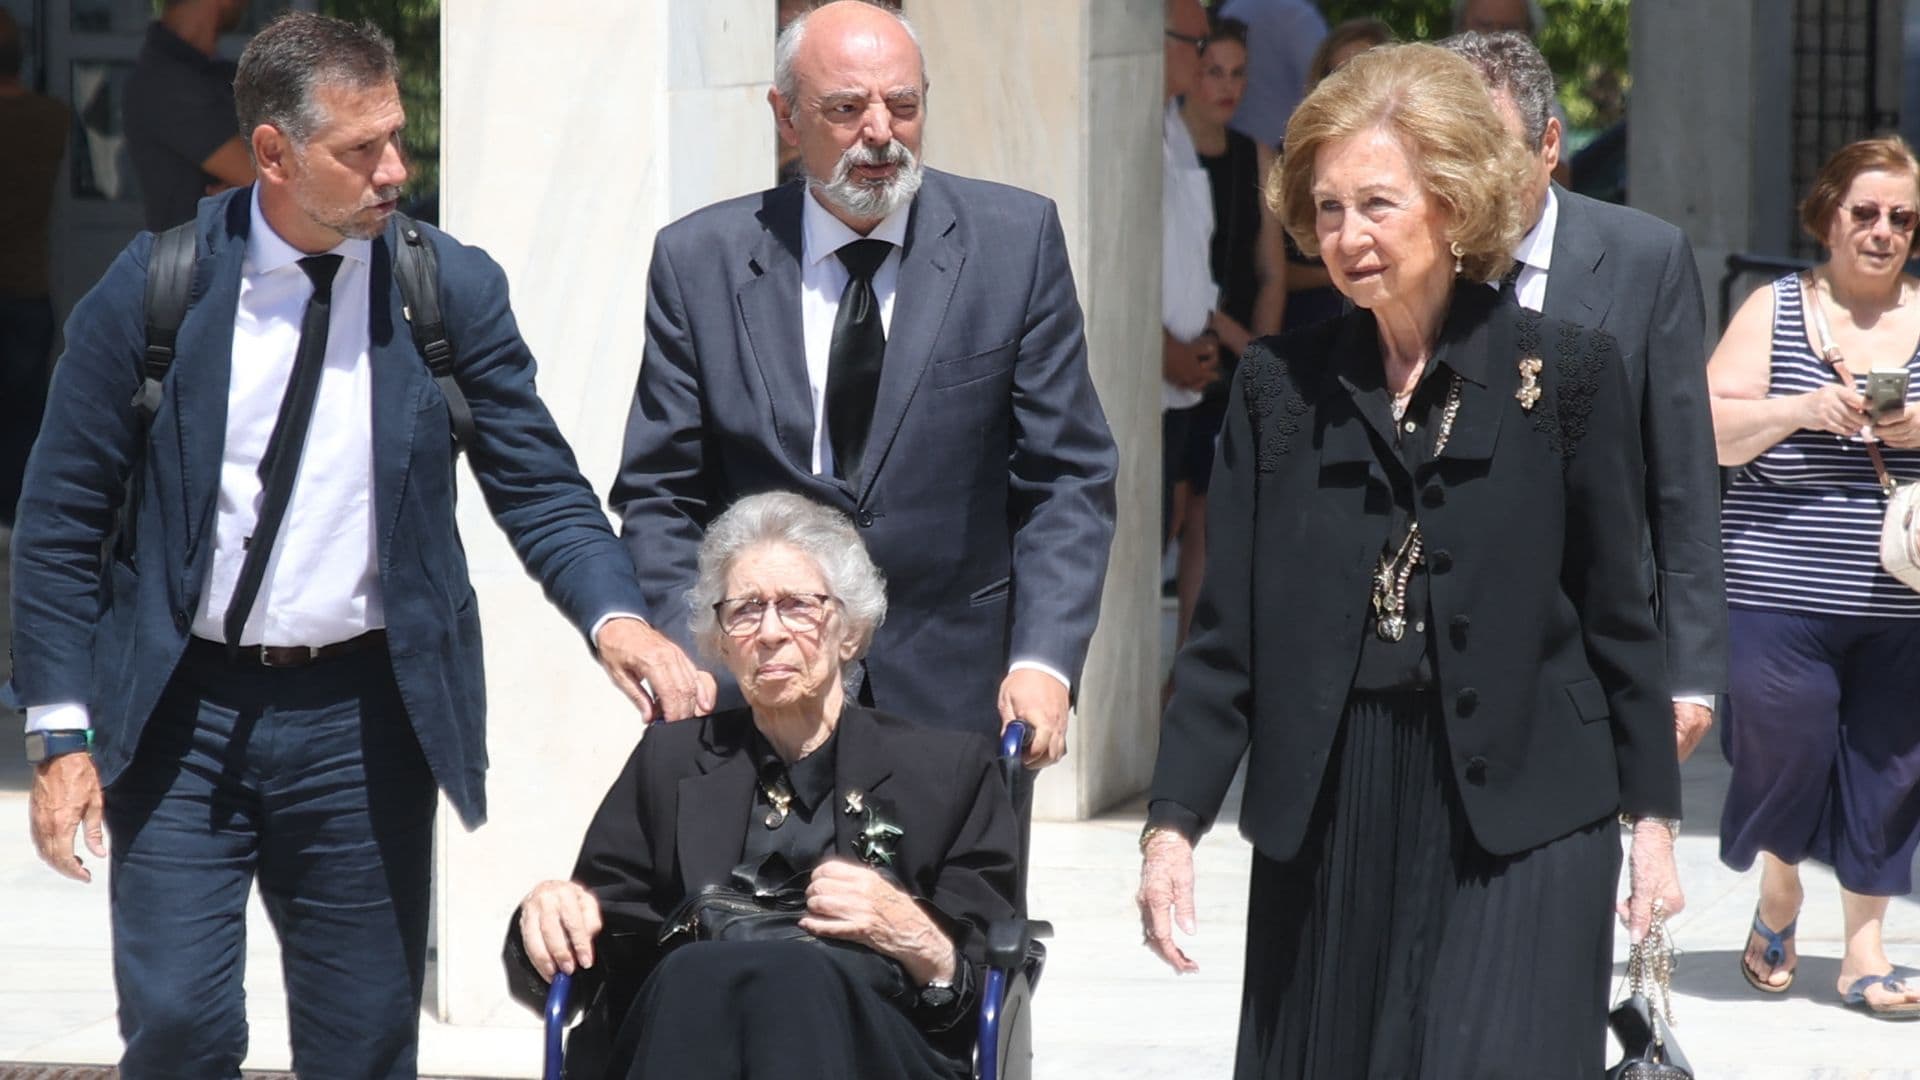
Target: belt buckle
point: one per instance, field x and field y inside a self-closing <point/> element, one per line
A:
<point x="267" y="651"/>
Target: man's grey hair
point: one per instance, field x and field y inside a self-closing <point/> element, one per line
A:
<point x="295" y="55"/>
<point x="1536" y="18"/>
<point x="1511" y="65"/>
<point x="787" y="46"/>
<point x="784" y="519"/>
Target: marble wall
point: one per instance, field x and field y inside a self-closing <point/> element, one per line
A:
<point x="1063" y="98"/>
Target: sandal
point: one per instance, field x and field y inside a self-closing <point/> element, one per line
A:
<point x="1856" y="998"/>
<point x="1775" y="955"/>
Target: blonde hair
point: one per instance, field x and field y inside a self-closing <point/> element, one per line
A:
<point x="1434" y="105"/>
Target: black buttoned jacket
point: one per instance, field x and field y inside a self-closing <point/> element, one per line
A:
<point x="1548" y="662"/>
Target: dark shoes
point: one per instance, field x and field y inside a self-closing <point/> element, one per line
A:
<point x="1774" y="957"/>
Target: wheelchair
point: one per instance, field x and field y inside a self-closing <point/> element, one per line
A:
<point x="1003" y="1041"/>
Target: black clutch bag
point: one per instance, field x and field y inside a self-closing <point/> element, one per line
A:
<point x="760" y="901"/>
<point x="1642" y="1026"/>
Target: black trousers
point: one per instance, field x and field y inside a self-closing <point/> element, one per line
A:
<point x="310" y="782"/>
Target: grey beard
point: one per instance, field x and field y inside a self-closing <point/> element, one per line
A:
<point x="871" y="201"/>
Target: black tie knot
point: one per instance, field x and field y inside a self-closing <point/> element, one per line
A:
<point x="1510" y="281"/>
<point x="863" y="257"/>
<point x="320" y="270"/>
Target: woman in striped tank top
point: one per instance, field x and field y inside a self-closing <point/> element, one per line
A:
<point x="1823" y="724"/>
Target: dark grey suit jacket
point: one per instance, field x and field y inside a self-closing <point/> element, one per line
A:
<point x="1633" y="275"/>
<point x="986" y="495"/>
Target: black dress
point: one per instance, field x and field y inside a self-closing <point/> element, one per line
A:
<point x="1234" y="177"/>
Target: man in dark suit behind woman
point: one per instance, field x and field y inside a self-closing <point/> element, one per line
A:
<point x="1616" y="269"/>
<point x="904" y="345"/>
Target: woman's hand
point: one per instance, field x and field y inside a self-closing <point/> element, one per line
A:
<point x="1652" y="876"/>
<point x="1166" y="883"/>
<point x="851" y="902"/>
<point x="1837" y="409"/>
<point x="558" y="922"/>
<point x="1900" y="430"/>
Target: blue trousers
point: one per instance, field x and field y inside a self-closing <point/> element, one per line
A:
<point x="1823" y="733"/>
<point x="310" y="782"/>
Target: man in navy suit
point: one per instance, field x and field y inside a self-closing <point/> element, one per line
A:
<point x="280" y="660"/>
<point x="902" y="344"/>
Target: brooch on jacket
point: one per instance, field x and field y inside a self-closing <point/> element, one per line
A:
<point x="1529" y="391"/>
<point x="875" y="841"/>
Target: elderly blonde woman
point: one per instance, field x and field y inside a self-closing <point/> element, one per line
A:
<point x="786" y="597"/>
<point x="1423" y="625"/>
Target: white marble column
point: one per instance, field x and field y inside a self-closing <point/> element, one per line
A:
<point x="572" y="131"/>
<point x="1063" y="97"/>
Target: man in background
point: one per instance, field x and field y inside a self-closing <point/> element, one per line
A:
<point x="179" y="111"/>
<point x="33" y="139"/>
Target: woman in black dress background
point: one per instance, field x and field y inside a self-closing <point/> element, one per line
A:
<point x="1424" y="625"/>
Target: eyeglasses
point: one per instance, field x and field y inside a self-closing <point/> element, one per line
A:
<point x="742" y="616"/>
<point x="1900" y="218"/>
<point x="1199" y="43"/>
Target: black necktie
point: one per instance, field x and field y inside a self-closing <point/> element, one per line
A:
<point x="853" y="360"/>
<point x="281" y="462"/>
<point x="1510" y="282"/>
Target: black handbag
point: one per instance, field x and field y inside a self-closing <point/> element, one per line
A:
<point x="760" y="901"/>
<point x="1642" y="1026"/>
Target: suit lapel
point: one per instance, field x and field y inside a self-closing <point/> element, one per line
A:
<point x="1477" y="344"/>
<point x="399" y="372"/>
<point x="1579" y="285"/>
<point x="859" y="764"/>
<point x="929" y="267"/>
<point x="711" y="823"/>
<point x="203" y="364"/>
<point x="770" y="310"/>
<point x="1360" y="376"/>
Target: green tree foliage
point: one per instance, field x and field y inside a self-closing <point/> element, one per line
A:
<point x="1584" y="41"/>
<point x="414" y="26"/>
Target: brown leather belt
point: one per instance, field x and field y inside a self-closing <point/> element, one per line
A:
<point x="289" y="656"/>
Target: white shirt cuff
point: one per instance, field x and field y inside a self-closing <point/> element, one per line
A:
<point x="64" y="716"/>
<point x="1036" y="665"/>
<point x="593" y="635"/>
<point x="1705" y="701"/>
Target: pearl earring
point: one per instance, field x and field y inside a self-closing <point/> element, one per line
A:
<point x="1458" y="254"/>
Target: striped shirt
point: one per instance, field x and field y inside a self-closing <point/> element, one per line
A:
<point x="1801" y="523"/>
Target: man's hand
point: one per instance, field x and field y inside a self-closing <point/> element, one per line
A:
<point x="1690" y="724"/>
<point x="851" y="902"/>
<point x="1041" y="700"/>
<point x="631" y="650"/>
<point x="1191" y="365"/>
<point x="66" y="796"/>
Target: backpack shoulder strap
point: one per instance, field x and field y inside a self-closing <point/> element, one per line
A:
<point x="169" y="290"/>
<point x="417" y="270"/>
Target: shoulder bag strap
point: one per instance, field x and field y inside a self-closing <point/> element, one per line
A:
<point x="169" y="290"/>
<point x="1830" y="352"/>
<point x="417" y="270"/>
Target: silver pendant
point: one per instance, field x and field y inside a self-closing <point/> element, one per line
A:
<point x="1390" y="627"/>
<point x="775" y="818"/>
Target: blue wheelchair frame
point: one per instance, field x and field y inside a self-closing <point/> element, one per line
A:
<point x="1002" y="1043"/>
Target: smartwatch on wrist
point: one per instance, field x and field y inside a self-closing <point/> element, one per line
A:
<point x="47" y="745"/>
<point x="937" y="994"/>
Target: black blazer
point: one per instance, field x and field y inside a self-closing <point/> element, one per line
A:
<point x="1547" y="659"/>
<point x="1632" y="275"/>
<point x="676" y="819"/>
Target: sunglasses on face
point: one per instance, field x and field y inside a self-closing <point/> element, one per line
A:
<point x="1199" y="43"/>
<point x="1900" y="218"/>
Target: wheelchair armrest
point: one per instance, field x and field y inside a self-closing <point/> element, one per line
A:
<point x="1009" y="941"/>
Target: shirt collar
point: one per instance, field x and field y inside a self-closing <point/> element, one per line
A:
<point x="822" y="234"/>
<point x="811" y="778"/>
<point x="267" y="252"/>
<point x="1536" y="248"/>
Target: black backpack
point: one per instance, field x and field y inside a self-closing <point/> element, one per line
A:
<point x="169" y="288"/>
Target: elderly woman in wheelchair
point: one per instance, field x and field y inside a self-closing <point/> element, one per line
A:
<point x="800" y="888"/>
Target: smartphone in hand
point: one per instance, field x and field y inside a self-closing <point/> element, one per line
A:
<point x="1886" y="393"/>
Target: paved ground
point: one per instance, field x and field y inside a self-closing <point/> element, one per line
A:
<point x="1106" y="1008"/>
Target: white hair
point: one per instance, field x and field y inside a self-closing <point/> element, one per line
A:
<point x="787" y="46"/>
<point x="783" y="519"/>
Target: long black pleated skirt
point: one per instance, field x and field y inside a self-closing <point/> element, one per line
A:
<point x="1393" y="946"/>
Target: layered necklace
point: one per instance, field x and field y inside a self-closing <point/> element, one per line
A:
<point x="1396" y="568"/>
